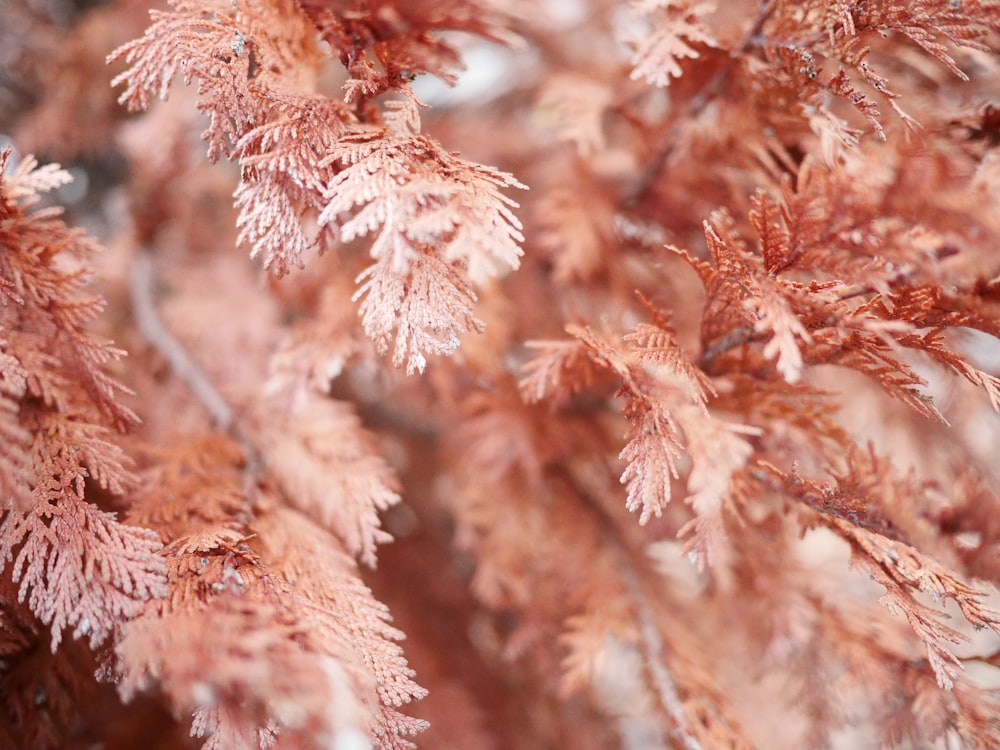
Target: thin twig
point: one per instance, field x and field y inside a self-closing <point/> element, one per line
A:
<point x="156" y="333"/>
<point x="736" y="337"/>
<point x="653" y="648"/>
<point x="651" y="641"/>
<point x="181" y="364"/>
<point x="657" y="161"/>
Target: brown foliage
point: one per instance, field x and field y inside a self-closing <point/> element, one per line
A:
<point x="696" y="449"/>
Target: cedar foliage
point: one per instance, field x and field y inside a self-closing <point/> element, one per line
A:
<point x="689" y="445"/>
